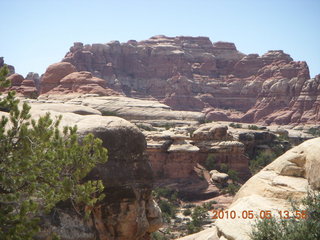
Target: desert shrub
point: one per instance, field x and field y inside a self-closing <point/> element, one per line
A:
<point x="192" y="228"/>
<point x="146" y="127"/>
<point x="232" y="188"/>
<point x="168" y="209"/>
<point x="108" y="113"/>
<point x="199" y="215"/>
<point x="233" y="175"/>
<point x="158" y="236"/>
<point x="189" y="205"/>
<point x="224" y="168"/>
<point x="41" y="166"/>
<point x="253" y="127"/>
<point x="314" y="131"/>
<point x="307" y="228"/>
<point x="210" y="162"/>
<point x="208" y="205"/>
<point x="168" y="193"/>
<point x="261" y="160"/>
<point x="235" y="125"/>
<point x="187" y="212"/>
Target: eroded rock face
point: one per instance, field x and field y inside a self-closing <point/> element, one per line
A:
<point x="128" y="211"/>
<point x="192" y="73"/>
<point x="23" y="87"/>
<point x="175" y="156"/>
<point x="62" y="78"/>
<point x="54" y="74"/>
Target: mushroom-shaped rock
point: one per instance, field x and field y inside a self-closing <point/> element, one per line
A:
<point x="54" y="74"/>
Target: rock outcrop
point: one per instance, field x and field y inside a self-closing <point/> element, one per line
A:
<point x="62" y="78"/>
<point x="23" y="87"/>
<point x="176" y="157"/>
<point x="290" y="176"/>
<point x="128" y="211"/>
<point x="192" y="73"/>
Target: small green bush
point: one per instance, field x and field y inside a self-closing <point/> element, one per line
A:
<point x="199" y="214"/>
<point x="109" y="113"/>
<point x="192" y="228"/>
<point x="224" y="168"/>
<point x="314" y="131"/>
<point x="210" y="163"/>
<point x="168" y="193"/>
<point x="187" y="212"/>
<point x="232" y="189"/>
<point x="292" y="229"/>
<point x="158" y="236"/>
<point x="233" y="175"/>
<point x="208" y="205"/>
<point x="235" y="125"/>
<point x="260" y="161"/>
<point x="253" y="127"/>
<point x="168" y="208"/>
<point x="189" y="205"/>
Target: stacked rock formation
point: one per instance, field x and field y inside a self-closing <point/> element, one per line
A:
<point x="192" y="73"/>
<point x="63" y="78"/>
<point x="175" y="156"/>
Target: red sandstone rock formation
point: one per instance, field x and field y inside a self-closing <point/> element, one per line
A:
<point x="54" y="74"/>
<point x="192" y="73"/>
<point x="23" y="87"/>
<point x="176" y="156"/>
<point x="62" y="78"/>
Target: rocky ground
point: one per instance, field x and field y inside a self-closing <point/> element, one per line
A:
<point x="182" y="151"/>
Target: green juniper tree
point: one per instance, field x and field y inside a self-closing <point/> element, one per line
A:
<point x="41" y="166"/>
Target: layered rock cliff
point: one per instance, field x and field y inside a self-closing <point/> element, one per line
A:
<point x="187" y="73"/>
<point x="192" y="73"/>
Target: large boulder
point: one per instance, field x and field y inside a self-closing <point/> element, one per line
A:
<point x="290" y="176"/>
<point x="210" y="132"/>
<point x="218" y="177"/>
<point x="23" y="87"/>
<point x="54" y="74"/>
<point x="128" y="211"/>
<point x="63" y="78"/>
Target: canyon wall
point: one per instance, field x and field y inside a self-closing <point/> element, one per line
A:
<point x="187" y="73"/>
<point x="192" y="73"/>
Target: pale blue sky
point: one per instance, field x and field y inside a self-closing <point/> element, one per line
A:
<point x="37" y="33"/>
